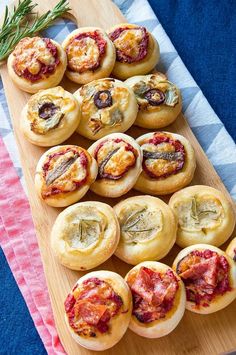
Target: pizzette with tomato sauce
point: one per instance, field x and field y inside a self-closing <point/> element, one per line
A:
<point x="168" y="163"/>
<point x="64" y="174"/>
<point x="119" y="160"/>
<point x="158" y="299"/>
<point x="98" y="310"/>
<point x="90" y="54"/>
<point x="37" y="63"/>
<point x="209" y="275"/>
<point x="137" y="51"/>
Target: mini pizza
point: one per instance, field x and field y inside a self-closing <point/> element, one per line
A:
<point x="137" y="51"/>
<point x="231" y="249"/>
<point x="159" y="100"/>
<point x="85" y="235"/>
<point x="90" y="54"/>
<point x="168" y="163"/>
<point x="36" y="64"/>
<point x="98" y="310"/>
<point x="147" y="229"/>
<point x="107" y="106"/>
<point x="64" y="175"/>
<point x="209" y="275"/>
<point x="50" y="117"/>
<point x="204" y="216"/>
<point x="119" y="160"/>
<point x="159" y="299"/>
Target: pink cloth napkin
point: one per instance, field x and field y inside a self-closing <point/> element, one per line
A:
<point x="19" y="244"/>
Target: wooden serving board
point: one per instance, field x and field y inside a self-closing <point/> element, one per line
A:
<point x="196" y="334"/>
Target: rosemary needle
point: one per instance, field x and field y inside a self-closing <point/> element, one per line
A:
<point x="14" y="28"/>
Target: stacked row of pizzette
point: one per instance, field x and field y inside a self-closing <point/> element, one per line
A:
<point x="139" y="230"/>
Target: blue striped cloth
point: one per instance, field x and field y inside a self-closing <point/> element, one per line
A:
<point x="206" y="125"/>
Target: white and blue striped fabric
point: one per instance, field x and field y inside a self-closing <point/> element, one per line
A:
<point x="207" y="127"/>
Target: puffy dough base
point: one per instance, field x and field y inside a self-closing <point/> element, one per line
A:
<point x="231" y="249"/>
<point x="163" y="326"/>
<point x="126" y="70"/>
<point x="119" y="324"/>
<point x="171" y="183"/>
<point x="87" y="258"/>
<point x="162" y="117"/>
<point x="216" y="236"/>
<point x="160" y="245"/>
<point x="117" y="188"/>
<point x="220" y="301"/>
<point x="107" y="62"/>
<point x="63" y="199"/>
<point x="130" y="115"/>
<point x="57" y="135"/>
<point x="45" y="83"/>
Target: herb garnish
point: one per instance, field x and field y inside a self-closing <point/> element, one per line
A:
<point x="15" y="25"/>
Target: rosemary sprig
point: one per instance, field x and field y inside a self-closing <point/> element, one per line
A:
<point x="14" y="28"/>
<point x="11" y="21"/>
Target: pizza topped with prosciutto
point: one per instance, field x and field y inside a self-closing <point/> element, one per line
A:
<point x="158" y="299"/>
<point x="98" y="310"/>
<point x="209" y="276"/>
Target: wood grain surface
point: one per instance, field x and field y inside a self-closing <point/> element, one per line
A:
<point x="196" y="334"/>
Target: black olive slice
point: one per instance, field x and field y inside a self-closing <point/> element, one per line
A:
<point x="103" y="99"/>
<point x="47" y="110"/>
<point x="154" y="97"/>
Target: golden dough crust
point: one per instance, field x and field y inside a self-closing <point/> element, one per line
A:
<point x="118" y="324"/>
<point x="125" y="70"/>
<point x="204" y="215"/>
<point x="173" y="182"/>
<point x="114" y="188"/>
<point x="107" y="61"/>
<point x="85" y="235"/>
<point x="220" y="301"/>
<point x="63" y="122"/>
<point x="231" y="249"/>
<point x="117" y="116"/>
<point x="44" y="83"/>
<point x="144" y="213"/>
<point x="150" y="116"/>
<point x="70" y="172"/>
<point x="166" y="325"/>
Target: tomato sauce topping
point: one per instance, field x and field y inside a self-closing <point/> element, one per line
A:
<point x="57" y="165"/>
<point x="162" y="156"/>
<point x="124" y="53"/>
<point x="91" y="306"/>
<point x="82" y="55"/>
<point x="114" y="157"/>
<point x="153" y="293"/>
<point x="31" y="62"/>
<point x="205" y="275"/>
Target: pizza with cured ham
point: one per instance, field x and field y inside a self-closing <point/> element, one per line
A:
<point x="209" y="276"/>
<point x="98" y="309"/>
<point x="158" y="299"/>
